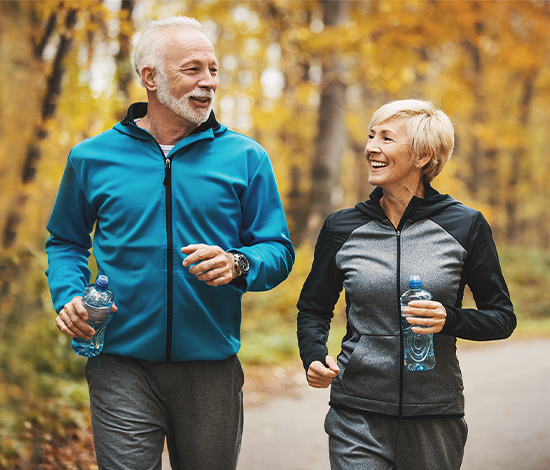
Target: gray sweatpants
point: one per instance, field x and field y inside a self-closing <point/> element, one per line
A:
<point x="360" y="442"/>
<point x="135" y="404"/>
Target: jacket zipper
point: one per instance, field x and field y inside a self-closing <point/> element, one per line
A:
<point x="169" y="241"/>
<point x="410" y="209"/>
<point x="169" y="257"/>
<point x="401" y="339"/>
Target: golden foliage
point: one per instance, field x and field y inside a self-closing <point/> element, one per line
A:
<point x="484" y="62"/>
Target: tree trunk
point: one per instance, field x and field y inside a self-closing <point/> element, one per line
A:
<point x="49" y="104"/>
<point x="325" y="194"/>
<point x="519" y="157"/>
<point x="297" y="197"/>
<point x="125" y="70"/>
<point x="478" y="118"/>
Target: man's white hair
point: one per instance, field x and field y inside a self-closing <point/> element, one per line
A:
<point x="150" y="48"/>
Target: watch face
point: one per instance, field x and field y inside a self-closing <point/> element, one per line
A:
<point x="242" y="263"/>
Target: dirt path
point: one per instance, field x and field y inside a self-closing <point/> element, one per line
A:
<point x="507" y="410"/>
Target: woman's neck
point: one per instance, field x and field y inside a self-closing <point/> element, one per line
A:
<point x="394" y="203"/>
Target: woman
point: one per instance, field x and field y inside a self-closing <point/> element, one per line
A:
<point x="382" y="415"/>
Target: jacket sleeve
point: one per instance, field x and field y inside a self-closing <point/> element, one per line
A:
<point x="264" y="233"/>
<point x="317" y="300"/>
<point x="68" y="247"/>
<point x="494" y="317"/>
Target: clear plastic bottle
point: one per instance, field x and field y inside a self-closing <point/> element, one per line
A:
<point x="97" y="299"/>
<point x="419" y="348"/>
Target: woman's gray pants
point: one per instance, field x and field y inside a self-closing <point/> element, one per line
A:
<point x="358" y="441"/>
<point x="136" y="404"/>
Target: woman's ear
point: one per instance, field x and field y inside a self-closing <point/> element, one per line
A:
<point x="424" y="160"/>
<point x="149" y="77"/>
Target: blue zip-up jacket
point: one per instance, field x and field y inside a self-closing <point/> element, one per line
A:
<point x="449" y="246"/>
<point x="216" y="187"/>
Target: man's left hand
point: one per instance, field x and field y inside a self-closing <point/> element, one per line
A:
<point x="210" y="264"/>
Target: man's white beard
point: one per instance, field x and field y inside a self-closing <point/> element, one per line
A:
<point x="181" y="106"/>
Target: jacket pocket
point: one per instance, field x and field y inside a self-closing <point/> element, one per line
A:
<point x="440" y="385"/>
<point x="372" y="371"/>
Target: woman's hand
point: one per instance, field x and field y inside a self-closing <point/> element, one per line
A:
<point x="430" y="316"/>
<point x="319" y="376"/>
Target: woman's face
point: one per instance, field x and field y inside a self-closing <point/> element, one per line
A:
<point x="387" y="153"/>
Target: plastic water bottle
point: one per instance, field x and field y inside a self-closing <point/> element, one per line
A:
<point x="97" y="299"/>
<point x="419" y="348"/>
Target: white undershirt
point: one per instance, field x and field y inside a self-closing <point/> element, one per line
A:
<point x="166" y="149"/>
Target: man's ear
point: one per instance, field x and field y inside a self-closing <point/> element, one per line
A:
<point x="149" y="77"/>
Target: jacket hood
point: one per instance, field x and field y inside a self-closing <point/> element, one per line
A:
<point x="139" y="110"/>
<point x="418" y="208"/>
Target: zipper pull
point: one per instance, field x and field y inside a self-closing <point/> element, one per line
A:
<point x="166" y="169"/>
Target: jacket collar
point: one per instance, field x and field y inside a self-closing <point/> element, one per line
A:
<point x="417" y="209"/>
<point x="139" y="110"/>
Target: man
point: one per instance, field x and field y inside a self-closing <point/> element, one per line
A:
<point x="187" y="218"/>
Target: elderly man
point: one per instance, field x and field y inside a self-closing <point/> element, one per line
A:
<point x="187" y="218"/>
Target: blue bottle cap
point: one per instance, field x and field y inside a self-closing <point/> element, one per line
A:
<point x="415" y="282"/>
<point x="102" y="282"/>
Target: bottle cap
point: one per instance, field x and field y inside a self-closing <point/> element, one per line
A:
<point x="415" y="282"/>
<point x="102" y="282"/>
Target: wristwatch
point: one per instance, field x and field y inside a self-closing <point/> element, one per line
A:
<point x="241" y="264"/>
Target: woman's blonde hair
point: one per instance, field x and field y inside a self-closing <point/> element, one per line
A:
<point x="430" y="132"/>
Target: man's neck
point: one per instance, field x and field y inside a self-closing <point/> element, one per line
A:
<point x="165" y="126"/>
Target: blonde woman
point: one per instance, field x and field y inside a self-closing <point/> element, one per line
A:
<point x="382" y="415"/>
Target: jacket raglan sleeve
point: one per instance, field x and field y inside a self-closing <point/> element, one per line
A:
<point x="494" y="317"/>
<point x="317" y="300"/>
<point x="264" y="233"/>
<point x="68" y="247"/>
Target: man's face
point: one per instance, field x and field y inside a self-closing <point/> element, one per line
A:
<point x="189" y="81"/>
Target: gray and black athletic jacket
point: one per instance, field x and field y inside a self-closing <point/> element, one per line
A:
<point x="449" y="246"/>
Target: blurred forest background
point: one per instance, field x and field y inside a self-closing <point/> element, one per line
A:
<point x="301" y="77"/>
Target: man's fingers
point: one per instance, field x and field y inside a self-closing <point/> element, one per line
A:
<point x="216" y="277"/>
<point x="188" y="249"/>
<point x="62" y="326"/>
<point x="210" y="264"/>
<point x="199" y="252"/>
<point x="72" y="320"/>
<point x="67" y="326"/>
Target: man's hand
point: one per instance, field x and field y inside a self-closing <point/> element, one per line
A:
<point x="210" y="264"/>
<point x="72" y="319"/>
<point x="319" y="376"/>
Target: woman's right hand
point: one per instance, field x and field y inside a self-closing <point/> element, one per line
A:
<point x="319" y="376"/>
